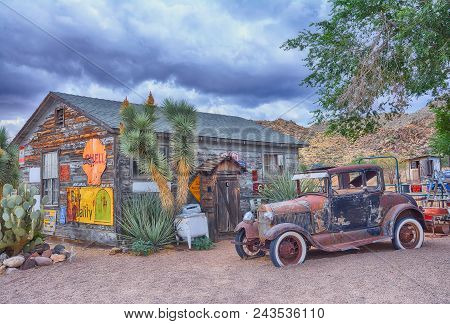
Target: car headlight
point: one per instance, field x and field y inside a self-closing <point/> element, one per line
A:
<point x="268" y="215"/>
<point x="249" y="217"/>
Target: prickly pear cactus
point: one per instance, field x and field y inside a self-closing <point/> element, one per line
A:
<point x="19" y="224"/>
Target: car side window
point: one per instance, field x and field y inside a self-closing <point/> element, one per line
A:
<point x="347" y="183"/>
<point x="372" y="180"/>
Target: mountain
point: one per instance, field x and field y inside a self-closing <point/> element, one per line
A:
<point x="404" y="137"/>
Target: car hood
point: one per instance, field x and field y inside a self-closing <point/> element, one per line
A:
<point x="301" y="205"/>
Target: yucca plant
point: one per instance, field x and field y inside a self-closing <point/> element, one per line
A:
<point x="183" y="118"/>
<point x="145" y="220"/>
<point x="281" y="187"/>
<point x="138" y="140"/>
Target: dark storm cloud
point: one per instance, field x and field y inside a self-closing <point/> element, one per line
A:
<point x="226" y="49"/>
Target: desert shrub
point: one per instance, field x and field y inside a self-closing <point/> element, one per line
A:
<point x="202" y="243"/>
<point x="144" y="220"/>
<point x="281" y="187"/>
<point x="140" y="247"/>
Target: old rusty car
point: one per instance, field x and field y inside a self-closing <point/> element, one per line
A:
<point x="346" y="208"/>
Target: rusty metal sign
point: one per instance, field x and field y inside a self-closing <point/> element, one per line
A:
<point x="94" y="156"/>
<point x="64" y="173"/>
<point x="91" y="205"/>
<point x="194" y="188"/>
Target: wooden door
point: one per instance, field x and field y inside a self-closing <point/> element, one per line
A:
<point x="227" y="203"/>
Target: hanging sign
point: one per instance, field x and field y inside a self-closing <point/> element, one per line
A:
<point x="194" y="188"/>
<point x="94" y="156"/>
<point x="91" y="205"/>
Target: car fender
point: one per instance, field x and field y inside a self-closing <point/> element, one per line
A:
<point x="251" y="229"/>
<point x="279" y="229"/>
<point x="395" y="212"/>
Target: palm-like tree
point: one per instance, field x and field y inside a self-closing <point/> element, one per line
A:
<point x="9" y="161"/>
<point x="138" y="140"/>
<point x="183" y="118"/>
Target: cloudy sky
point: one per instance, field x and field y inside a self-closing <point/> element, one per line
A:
<point x="223" y="56"/>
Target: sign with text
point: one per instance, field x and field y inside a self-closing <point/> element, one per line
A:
<point x="49" y="225"/>
<point x="94" y="165"/>
<point x="91" y="205"/>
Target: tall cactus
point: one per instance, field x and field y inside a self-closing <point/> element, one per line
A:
<point x="19" y="223"/>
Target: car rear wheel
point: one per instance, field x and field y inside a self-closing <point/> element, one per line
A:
<point x="288" y="249"/>
<point x="247" y="248"/>
<point x="408" y="234"/>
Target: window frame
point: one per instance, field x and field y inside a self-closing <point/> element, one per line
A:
<point x="55" y="185"/>
<point x="267" y="174"/>
<point x="58" y="122"/>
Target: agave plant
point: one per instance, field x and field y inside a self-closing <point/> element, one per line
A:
<point x="281" y="187"/>
<point x="144" y="219"/>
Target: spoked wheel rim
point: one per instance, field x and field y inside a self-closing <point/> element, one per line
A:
<point x="250" y="246"/>
<point x="290" y="250"/>
<point x="409" y="235"/>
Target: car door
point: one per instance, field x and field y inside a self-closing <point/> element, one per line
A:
<point x="372" y="196"/>
<point x="347" y="202"/>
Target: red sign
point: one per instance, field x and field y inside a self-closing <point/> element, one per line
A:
<point x="64" y="173"/>
<point x="94" y="156"/>
<point x="22" y="155"/>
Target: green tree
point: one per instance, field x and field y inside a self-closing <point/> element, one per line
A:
<point x="9" y="161"/>
<point x="440" y="142"/>
<point x="371" y="57"/>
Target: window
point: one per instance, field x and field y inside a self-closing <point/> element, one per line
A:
<point x="372" y="180"/>
<point x="430" y="168"/>
<point x="347" y="183"/>
<point x="414" y="164"/>
<point x="273" y="164"/>
<point x="59" y="117"/>
<point x="50" y="177"/>
<point x="136" y="173"/>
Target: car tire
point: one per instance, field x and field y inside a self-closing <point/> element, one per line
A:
<point x="288" y="249"/>
<point x="408" y="234"/>
<point x="241" y="251"/>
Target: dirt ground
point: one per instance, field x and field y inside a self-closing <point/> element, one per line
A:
<point x="376" y="274"/>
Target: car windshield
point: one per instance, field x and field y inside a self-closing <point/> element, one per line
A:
<point x="314" y="182"/>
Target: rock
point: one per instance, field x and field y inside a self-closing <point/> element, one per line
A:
<point x="35" y="254"/>
<point x="3" y="257"/>
<point x="2" y="269"/>
<point x="41" y="248"/>
<point x="115" y="250"/>
<point x="58" y="257"/>
<point x="67" y="254"/>
<point x="58" y="249"/>
<point x="125" y="249"/>
<point x="14" y="262"/>
<point x="26" y="255"/>
<point x="47" y="253"/>
<point x="11" y="270"/>
<point x="29" y="263"/>
<point x="43" y="261"/>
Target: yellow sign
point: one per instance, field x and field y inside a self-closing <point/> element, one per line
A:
<point x="194" y="188"/>
<point x="49" y="222"/>
<point x="90" y="205"/>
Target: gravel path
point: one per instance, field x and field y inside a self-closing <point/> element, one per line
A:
<point x="381" y="275"/>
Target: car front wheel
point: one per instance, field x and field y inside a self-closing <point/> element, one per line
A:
<point x="288" y="249"/>
<point x="408" y="234"/>
<point x="247" y="248"/>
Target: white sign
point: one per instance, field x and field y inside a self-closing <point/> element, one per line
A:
<point x="35" y="175"/>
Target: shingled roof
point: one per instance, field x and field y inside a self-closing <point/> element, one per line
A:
<point x="209" y="125"/>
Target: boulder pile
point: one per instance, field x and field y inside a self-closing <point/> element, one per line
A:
<point x="41" y="255"/>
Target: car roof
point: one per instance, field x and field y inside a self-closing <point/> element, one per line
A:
<point x="347" y="168"/>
